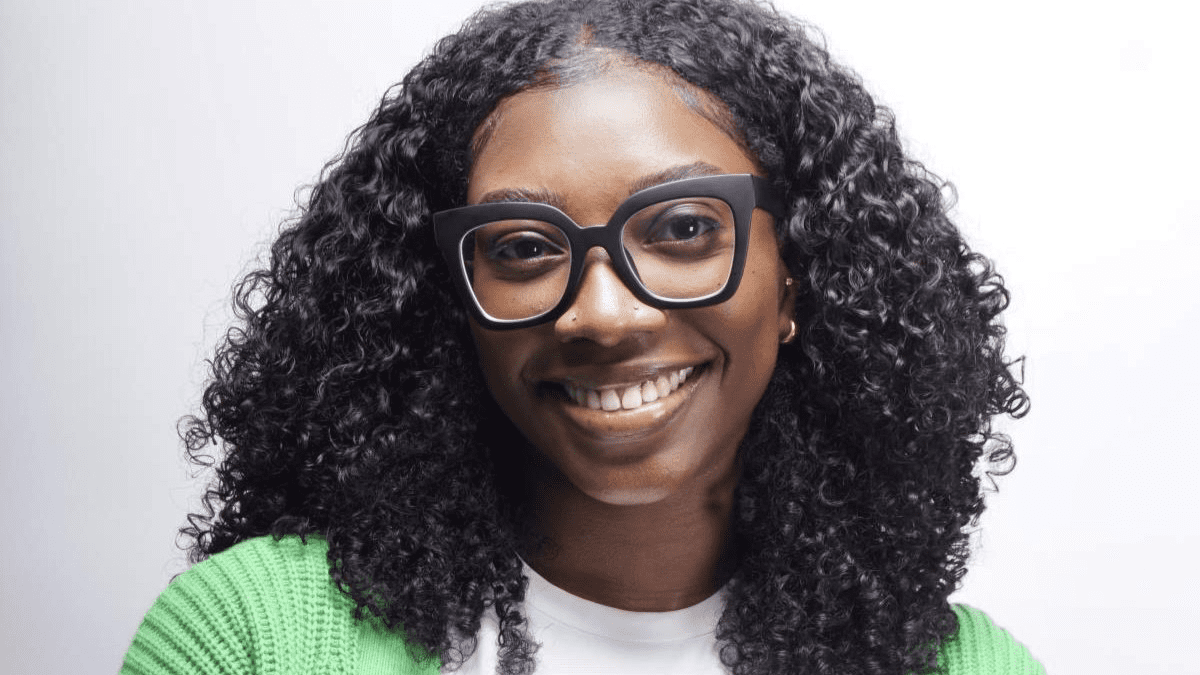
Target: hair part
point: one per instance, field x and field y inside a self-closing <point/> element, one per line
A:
<point x="586" y="62"/>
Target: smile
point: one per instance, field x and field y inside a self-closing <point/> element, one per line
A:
<point x="631" y="397"/>
<point x="620" y="412"/>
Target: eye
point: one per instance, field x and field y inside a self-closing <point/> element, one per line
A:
<point x="680" y="227"/>
<point x="693" y="228"/>
<point x="523" y="246"/>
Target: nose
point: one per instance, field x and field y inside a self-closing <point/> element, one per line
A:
<point x="605" y="311"/>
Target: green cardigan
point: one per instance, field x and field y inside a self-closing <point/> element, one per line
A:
<point x="267" y="606"/>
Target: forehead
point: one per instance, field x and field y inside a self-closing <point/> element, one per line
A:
<point x="603" y="134"/>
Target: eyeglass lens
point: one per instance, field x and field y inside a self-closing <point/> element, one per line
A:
<point x="680" y="249"/>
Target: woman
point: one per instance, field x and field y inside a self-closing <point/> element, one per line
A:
<point x="731" y="430"/>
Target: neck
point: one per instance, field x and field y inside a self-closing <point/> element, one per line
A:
<point x="655" y="557"/>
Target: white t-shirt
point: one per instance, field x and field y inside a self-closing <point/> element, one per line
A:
<point x="580" y="636"/>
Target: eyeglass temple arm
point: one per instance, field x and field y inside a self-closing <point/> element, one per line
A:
<point x="766" y="198"/>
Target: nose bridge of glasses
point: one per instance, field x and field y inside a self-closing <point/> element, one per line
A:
<point x="606" y="238"/>
<point x="599" y="277"/>
<point x="598" y="234"/>
<point x="604" y="307"/>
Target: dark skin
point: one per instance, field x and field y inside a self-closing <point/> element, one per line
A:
<point x="662" y="556"/>
<point x="637" y="501"/>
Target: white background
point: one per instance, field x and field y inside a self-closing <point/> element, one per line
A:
<point x="148" y="150"/>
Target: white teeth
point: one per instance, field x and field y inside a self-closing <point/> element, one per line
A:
<point x="609" y="400"/>
<point x="632" y="398"/>
<point x="663" y="385"/>
<point x="629" y="398"/>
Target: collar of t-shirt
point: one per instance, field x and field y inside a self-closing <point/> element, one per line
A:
<point x="575" y="635"/>
<point x="562" y="609"/>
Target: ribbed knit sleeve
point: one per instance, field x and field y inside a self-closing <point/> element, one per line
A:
<point x="263" y="607"/>
<point x="983" y="648"/>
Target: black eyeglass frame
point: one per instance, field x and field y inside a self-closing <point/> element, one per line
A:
<point x="742" y="192"/>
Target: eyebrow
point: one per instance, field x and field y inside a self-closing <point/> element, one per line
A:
<point x="674" y="173"/>
<point x="693" y="170"/>
<point x="525" y="195"/>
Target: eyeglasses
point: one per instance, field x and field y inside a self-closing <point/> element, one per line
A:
<point x="676" y="245"/>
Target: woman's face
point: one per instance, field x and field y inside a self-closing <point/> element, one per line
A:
<point x="587" y="147"/>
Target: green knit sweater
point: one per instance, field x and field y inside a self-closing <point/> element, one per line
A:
<point x="267" y="606"/>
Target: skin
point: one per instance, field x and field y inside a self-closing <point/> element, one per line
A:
<point x="638" y="503"/>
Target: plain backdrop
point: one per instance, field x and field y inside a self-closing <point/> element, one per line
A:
<point x="149" y="150"/>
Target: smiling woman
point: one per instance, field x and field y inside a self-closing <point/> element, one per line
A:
<point x="589" y="146"/>
<point x="624" y="336"/>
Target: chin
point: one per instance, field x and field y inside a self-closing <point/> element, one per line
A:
<point x="652" y="482"/>
<point x="633" y="496"/>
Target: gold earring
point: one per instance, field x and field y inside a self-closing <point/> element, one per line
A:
<point x="792" y="324"/>
<point x="791" y="333"/>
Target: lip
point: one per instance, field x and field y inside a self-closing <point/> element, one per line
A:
<point x="618" y="378"/>
<point x="623" y="426"/>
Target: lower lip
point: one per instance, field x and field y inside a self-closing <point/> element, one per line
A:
<point x="625" y="425"/>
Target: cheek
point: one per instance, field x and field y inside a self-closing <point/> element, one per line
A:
<point x="749" y="322"/>
<point x="501" y="356"/>
<point x="746" y="329"/>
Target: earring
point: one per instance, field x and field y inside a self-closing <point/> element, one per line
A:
<point x="792" y="329"/>
<point x="791" y="333"/>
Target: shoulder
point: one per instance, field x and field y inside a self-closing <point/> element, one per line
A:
<point x="225" y="613"/>
<point x="274" y="569"/>
<point x="257" y="582"/>
<point x="980" y="647"/>
<point x="262" y="606"/>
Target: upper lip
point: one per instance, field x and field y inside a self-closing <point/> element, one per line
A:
<point x="617" y="377"/>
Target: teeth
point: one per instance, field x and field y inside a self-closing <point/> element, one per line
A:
<point x="632" y="398"/>
<point x="609" y="400"/>
<point x="663" y="385"/>
<point x="629" y="398"/>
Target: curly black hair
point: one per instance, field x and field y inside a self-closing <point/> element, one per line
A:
<point x="350" y="404"/>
